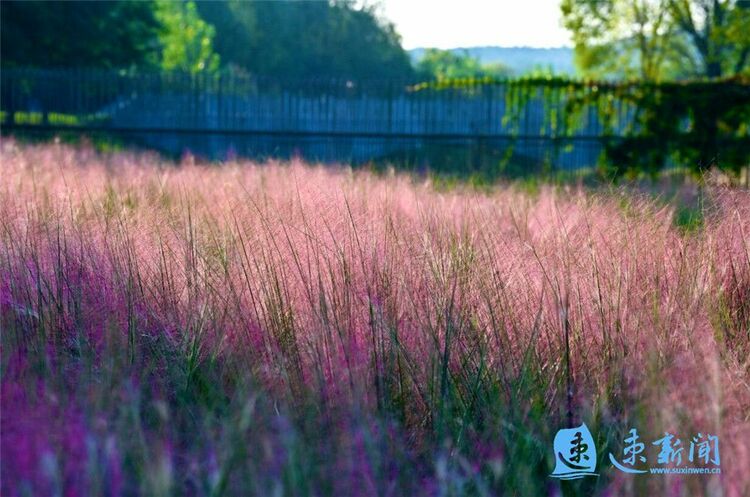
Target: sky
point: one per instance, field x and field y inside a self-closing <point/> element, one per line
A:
<point x="470" y="23"/>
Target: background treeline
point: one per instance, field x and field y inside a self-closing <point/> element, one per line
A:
<point x="281" y="39"/>
<point x="652" y="40"/>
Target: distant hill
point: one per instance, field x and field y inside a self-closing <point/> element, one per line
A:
<point x="519" y="59"/>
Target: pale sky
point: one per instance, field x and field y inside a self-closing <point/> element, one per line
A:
<point x="468" y="23"/>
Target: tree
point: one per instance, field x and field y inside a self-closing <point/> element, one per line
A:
<point x="659" y="39"/>
<point x="306" y="39"/>
<point x="116" y="34"/>
<point x="331" y="39"/>
<point x="186" y="39"/>
<point x="448" y="64"/>
<point x="78" y="33"/>
<point x="236" y="26"/>
<point x="719" y="33"/>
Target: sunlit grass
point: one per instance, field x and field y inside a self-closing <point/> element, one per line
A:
<point x="286" y="329"/>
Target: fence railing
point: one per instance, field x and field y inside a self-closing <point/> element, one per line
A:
<point x="469" y="124"/>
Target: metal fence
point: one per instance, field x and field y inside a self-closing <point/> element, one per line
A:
<point x="468" y="125"/>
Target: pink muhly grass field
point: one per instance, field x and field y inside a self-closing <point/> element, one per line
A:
<point x="289" y="329"/>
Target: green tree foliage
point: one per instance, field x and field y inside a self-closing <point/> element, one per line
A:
<point x="334" y="39"/>
<point x="186" y="39"/>
<point x="659" y="39"/>
<point x="447" y="64"/>
<point x="303" y="39"/>
<point x="78" y="33"/>
<point x="237" y="28"/>
<point x="719" y="31"/>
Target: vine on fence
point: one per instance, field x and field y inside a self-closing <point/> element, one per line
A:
<point x="644" y="126"/>
<point x="696" y="124"/>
